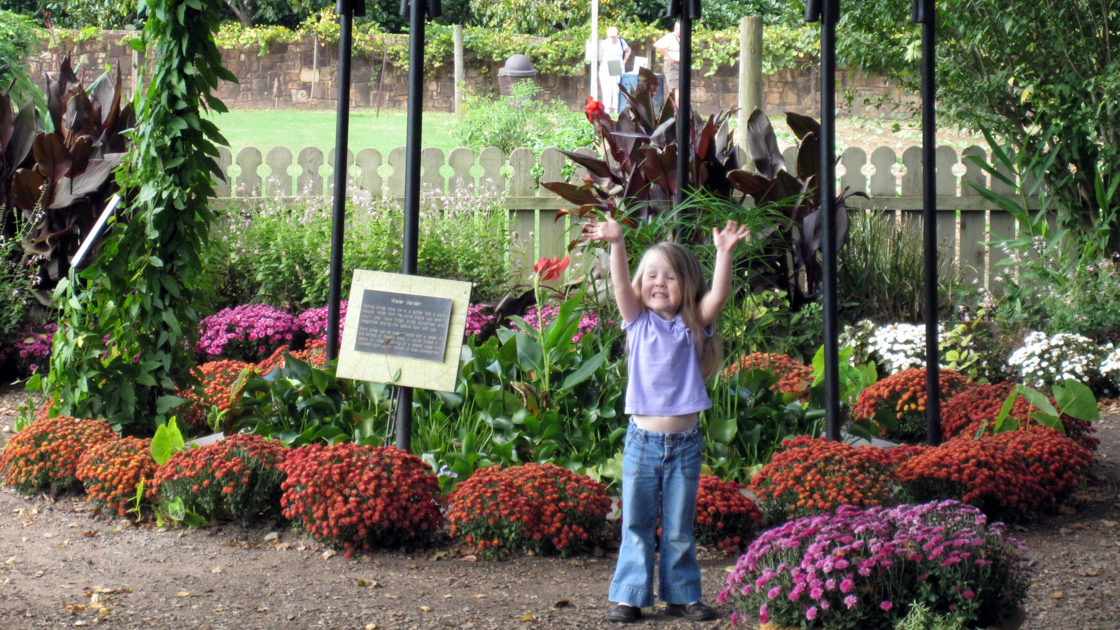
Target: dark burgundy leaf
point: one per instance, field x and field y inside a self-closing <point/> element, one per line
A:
<point x="762" y="145"/>
<point x="52" y="158"/>
<point x="802" y="125"/>
<point x="25" y="188"/>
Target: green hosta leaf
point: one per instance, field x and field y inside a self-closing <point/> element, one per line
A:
<point x="722" y="429"/>
<point x="1048" y="420"/>
<point x="1008" y="403"/>
<point x="1077" y="400"/>
<point x="1037" y="399"/>
<point x="166" y="442"/>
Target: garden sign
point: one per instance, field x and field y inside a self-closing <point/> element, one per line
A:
<point x="404" y="330"/>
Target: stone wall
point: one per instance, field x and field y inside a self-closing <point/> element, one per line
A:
<point x="296" y="76"/>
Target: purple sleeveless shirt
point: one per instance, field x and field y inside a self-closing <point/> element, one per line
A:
<point x="664" y="369"/>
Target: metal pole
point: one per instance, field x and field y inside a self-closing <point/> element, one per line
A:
<point x="412" y="185"/>
<point x="686" y="11"/>
<point x="828" y="12"/>
<point x="338" y="216"/>
<point x="923" y="12"/>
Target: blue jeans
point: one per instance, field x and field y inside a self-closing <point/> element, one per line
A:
<point x="660" y="478"/>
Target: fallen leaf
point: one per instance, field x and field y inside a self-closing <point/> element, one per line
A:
<point x="371" y="626"/>
<point x="527" y="618"/>
<point x="439" y="555"/>
<point x="11" y="560"/>
<point x="64" y="586"/>
<point x="449" y="596"/>
<point x="89" y="533"/>
<point x="75" y="609"/>
<point x="186" y="594"/>
<point x="470" y="558"/>
<point x="1057" y="595"/>
<point x="411" y="566"/>
<point x="392" y="596"/>
<point x="79" y="623"/>
<point x="426" y="608"/>
<point x="216" y="570"/>
<point x="1091" y="572"/>
<point x="1109" y="523"/>
<point x="577" y="563"/>
<point x="562" y="604"/>
<point x="336" y="597"/>
<point x="330" y="553"/>
<point x="262" y="609"/>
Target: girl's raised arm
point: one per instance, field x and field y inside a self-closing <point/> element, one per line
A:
<point x="725" y="241"/>
<point x="629" y="306"/>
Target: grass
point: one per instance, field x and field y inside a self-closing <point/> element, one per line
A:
<point x="297" y="129"/>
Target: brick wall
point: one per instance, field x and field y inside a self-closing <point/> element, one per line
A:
<point x="293" y="76"/>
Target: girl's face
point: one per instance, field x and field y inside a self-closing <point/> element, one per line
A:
<point x="661" y="291"/>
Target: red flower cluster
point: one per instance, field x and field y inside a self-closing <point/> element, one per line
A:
<point x="111" y="471"/>
<point x="812" y="476"/>
<point x="1056" y="461"/>
<point x="905" y="394"/>
<point x="46" y="453"/>
<point x="357" y="497"/>
<point x="540" y="508"/>
<point x="963" y="415"/>
<point x="982" y="472"/>
<point x="725" y="517"/>
<point x="794" y="377"/>
<point x="315" y="354"/>
<point x="216" y="381"/>
<point x="237" y="477"/>
<point x="594" y="108"/>
<point x="551" y="268"/>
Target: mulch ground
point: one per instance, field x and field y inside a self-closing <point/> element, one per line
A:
<point x="62" y="565"/>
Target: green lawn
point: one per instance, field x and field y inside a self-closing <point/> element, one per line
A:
<point x="295" y="129"/>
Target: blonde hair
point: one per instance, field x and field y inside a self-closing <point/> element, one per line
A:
<point x="690" y="277"/>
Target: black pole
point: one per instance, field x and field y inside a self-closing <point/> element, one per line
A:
<point x="416" y="10"/>
<point x="923" y="12"/>
<point x="338" y="216"/>
<point x="685" y="11"/>
<point x="828" y="12"/>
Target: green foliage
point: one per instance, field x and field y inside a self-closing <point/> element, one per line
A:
<point x="140" y="292"/>
<point x="17" y="36"/>
<point x="1015" y="68"/>
<point x="277" y="250"/>
<point x="521" y="120"/>
<point x="883" y="264"/>
<point x="166" y="442"/>
<point x="15" y="284"/>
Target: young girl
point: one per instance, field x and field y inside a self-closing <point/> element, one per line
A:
<point x="668" y="315"/>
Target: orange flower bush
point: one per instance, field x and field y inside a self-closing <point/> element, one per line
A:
<point x="812" y="476"/>
<point x="967" y="411"/>
<point x="216" y="383"/>
<point x="237" y="477"/>
<point x="315" y="354"/>
<point x="111" y="471"/>
<point x="725" y="517"/>
<point x="541" y="508"/>
<point x="982" y="472"/>
<point x="905" y="394"/>
<point x="46" y="452"/>
<point x="794" y="377"/>
<point x="357" y="497"/>
<point x="1057" y="462"/>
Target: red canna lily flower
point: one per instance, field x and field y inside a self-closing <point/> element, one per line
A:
<point x="551" y="269"/>
<point x="593" y="108"/>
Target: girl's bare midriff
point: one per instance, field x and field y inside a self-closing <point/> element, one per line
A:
<point x="667" y="424"/>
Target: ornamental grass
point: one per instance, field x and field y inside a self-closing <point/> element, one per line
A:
<point x="983" y="473"/>
<point x="725" y="518"/>
<point x="358" y="497"/>
<point x="215" y="389"/>
<point x="967" y="411"/>
<point x="862" y="568"/>
<point x="794" y="377"/>
<point x="816" y="475"/>
<point x="903" y="396"/>
<point x="112" y="471"/>
<point x="236" y="477"/>
<point x="538" y="508"/>
<point x="45" y="454"/>
<point x="1057" y="462"/>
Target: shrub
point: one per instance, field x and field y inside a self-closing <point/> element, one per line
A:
<point x="247" y="333"/>
<point x="539" y="508"/>
<point x="315" y="354"/>
<point x="1057" y="462"/>
<point x="964" y="414"/>
<point x="313" y="322"/>
<point x="476" y="319"/>
<point x="588" y="321"/>
<point x="357" y="497"/>
<point x="46" y="453"/>
<point x="979" y="472"/>
<point x="237" y="477"/>
<point x="28" y="350"/>
<point x="112" y="471"/>
<point x="519" y="120"/>
<point x="214" y="391"/>
<point x="725" y="517"/>
<point x="794" y="377"/>
<point x="813" y="476"/>
<point x="1045" y="360"/>
<point x="860" y="569"/>
<point x="904" y="394"/>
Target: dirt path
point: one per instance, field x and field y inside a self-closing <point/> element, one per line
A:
<point x="59" y="566"/>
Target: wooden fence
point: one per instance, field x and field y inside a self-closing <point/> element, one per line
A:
<point x="965" y="220"/>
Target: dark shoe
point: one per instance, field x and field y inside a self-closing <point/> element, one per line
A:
<point x="624" y="614"/>
<point x="696" y="611"/>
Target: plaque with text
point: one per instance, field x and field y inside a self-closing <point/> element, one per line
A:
<point x="403" y="325"/>
<point x="404" y="330"/>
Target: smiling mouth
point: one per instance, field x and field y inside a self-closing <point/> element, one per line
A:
<point x="662" y="296"/>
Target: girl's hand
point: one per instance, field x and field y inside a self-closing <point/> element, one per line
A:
<point x="609" y="231"/>
<point x="725" y="240"/>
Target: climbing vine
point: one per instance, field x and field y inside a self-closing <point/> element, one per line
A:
<point x="123" y="341"/>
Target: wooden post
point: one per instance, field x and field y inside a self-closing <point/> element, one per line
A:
<point x="594" y="49"/>
<point x="459" y="75"/>
<point x="750" y="71"/>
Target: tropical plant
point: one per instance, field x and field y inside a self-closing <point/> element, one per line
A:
<point x="520" y="120"/>
<point x="62" y="190"/>
<point x="130" y="320"/>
